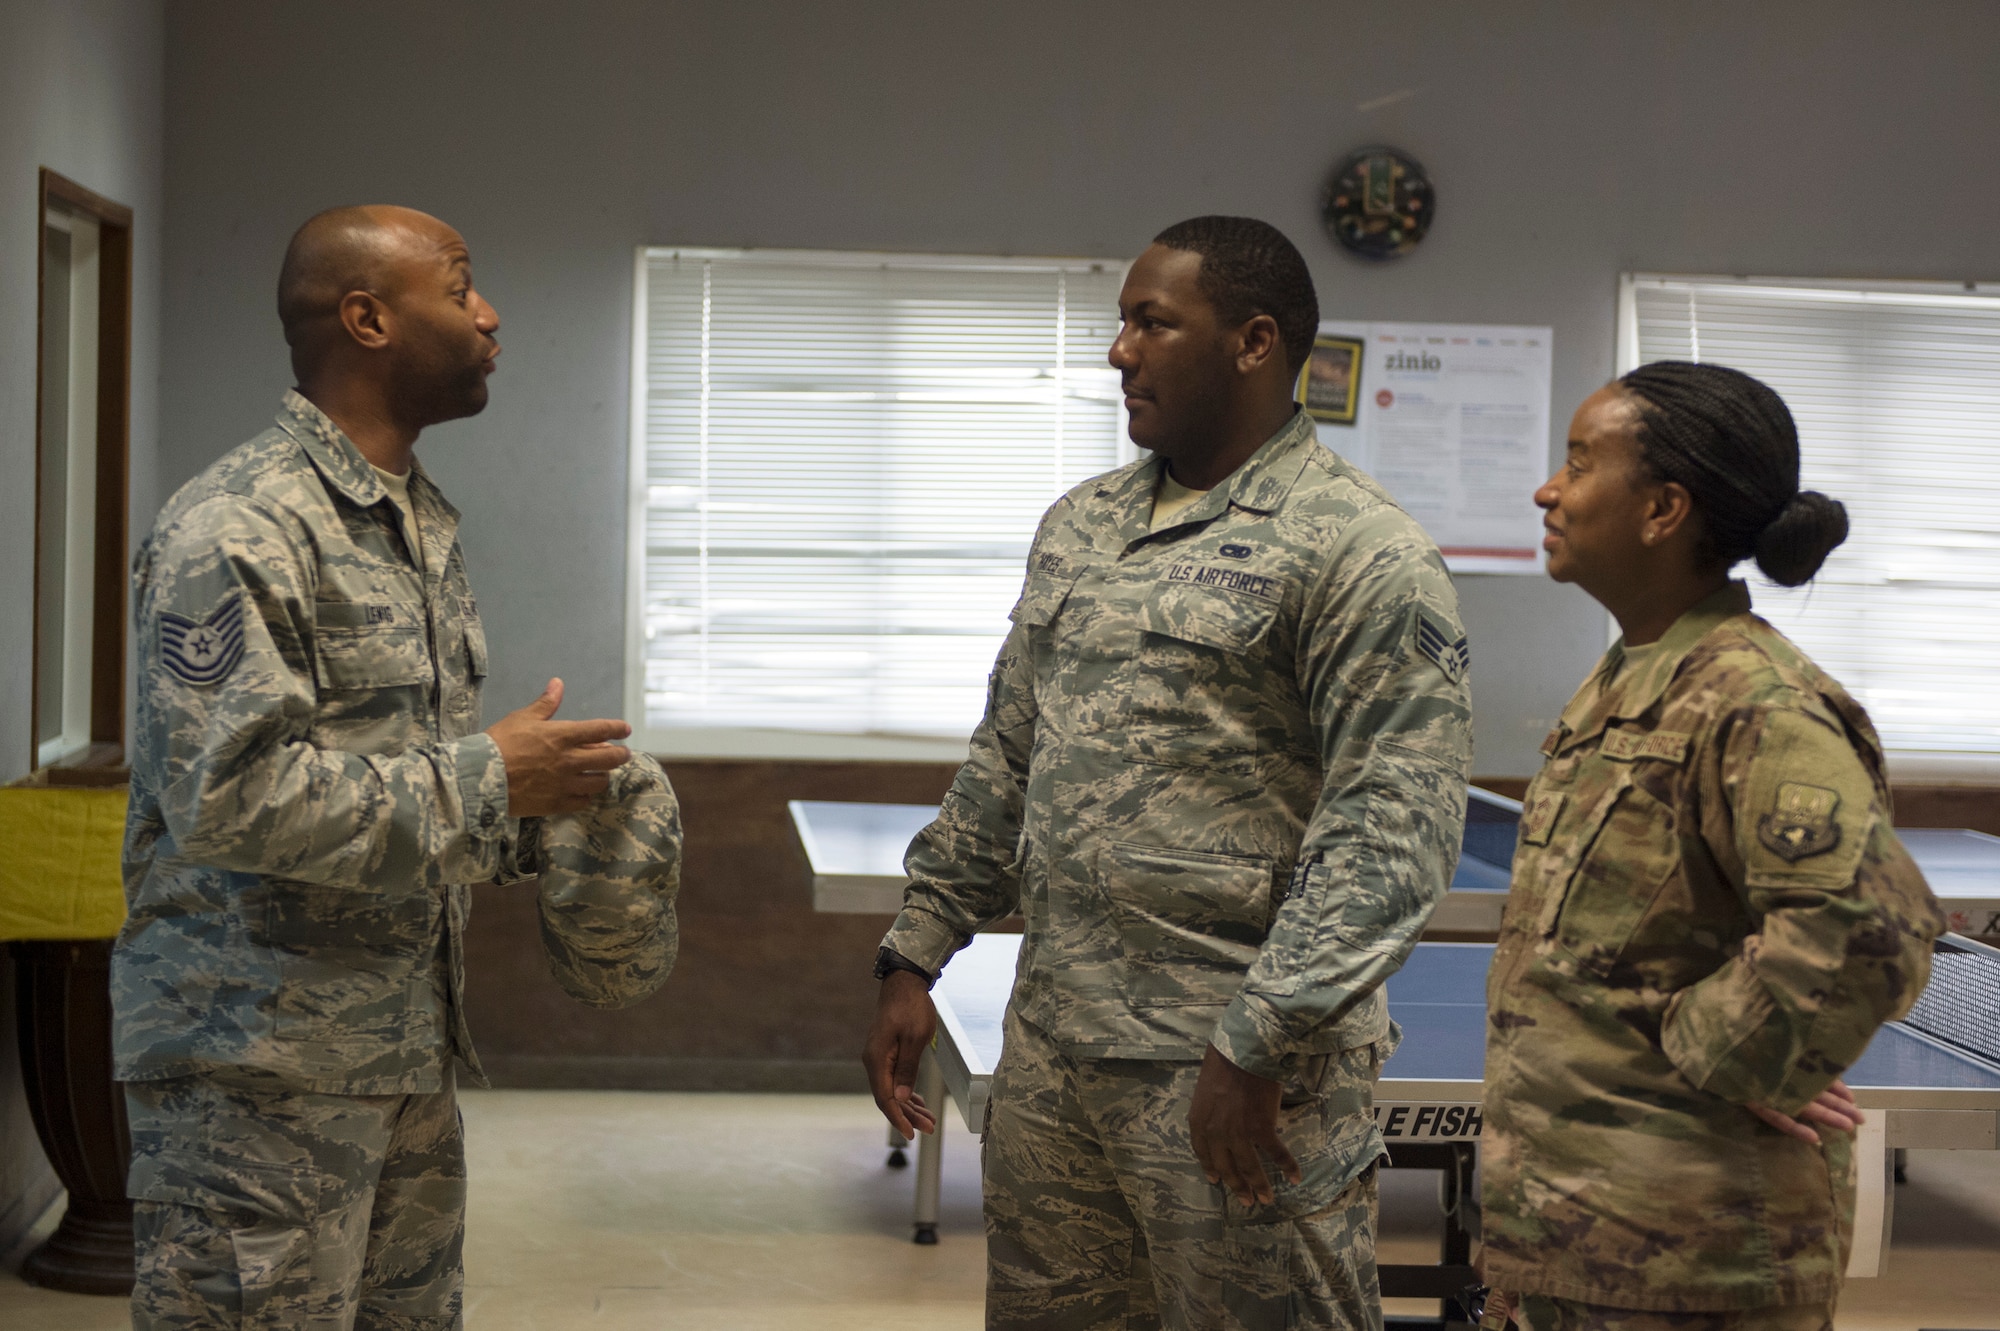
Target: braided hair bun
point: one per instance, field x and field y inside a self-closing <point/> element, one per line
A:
<point x="1797" y="541"/>
<point x="1731" y="443"/>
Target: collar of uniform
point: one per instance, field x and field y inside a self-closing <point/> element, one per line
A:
<point x="1259" y="485"/>
<point x="437" y="520"/>
<point x="1595" y="708"/>
<point x="330" y="450"/>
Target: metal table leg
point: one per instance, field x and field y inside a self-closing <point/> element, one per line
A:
<point x="930" y="1150"/>
<point x="898" y="1149"/>
<point x="1874" y="1196"/>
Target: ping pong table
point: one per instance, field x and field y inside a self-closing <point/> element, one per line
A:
<point x="1933" y="1080"/>
<point x="856" y="855"/>
<point x="1930" y="1082"/>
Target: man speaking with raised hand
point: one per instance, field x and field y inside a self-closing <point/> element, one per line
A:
<point x="311" y="797"/>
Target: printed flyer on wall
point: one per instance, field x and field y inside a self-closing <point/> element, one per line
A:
<point x="1452" y="419"/>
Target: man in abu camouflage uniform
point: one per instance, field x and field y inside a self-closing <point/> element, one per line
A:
<point x="1222" y="775"/>
<point x="311" y="795"/>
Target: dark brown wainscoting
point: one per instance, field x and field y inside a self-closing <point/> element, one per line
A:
<point x="767" y="995"/>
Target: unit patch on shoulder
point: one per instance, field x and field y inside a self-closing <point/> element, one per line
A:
<point x="1800" y="822"/>
<point x="1452" y="655"/>
<point x="203" y="651"/>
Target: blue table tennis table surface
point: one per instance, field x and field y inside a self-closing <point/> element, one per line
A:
<point x="1439" y="999"/>
<point x="1920" y="1094"/>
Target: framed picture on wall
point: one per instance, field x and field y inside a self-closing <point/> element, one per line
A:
<point x="1330" y="383"/>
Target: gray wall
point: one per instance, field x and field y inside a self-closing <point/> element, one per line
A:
<point x="80" y="92"/>
<point x="1569" y="141"/>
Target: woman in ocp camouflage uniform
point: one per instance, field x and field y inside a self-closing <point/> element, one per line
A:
<point x="1710" y="916"/>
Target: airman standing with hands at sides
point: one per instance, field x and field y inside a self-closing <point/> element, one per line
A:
<point x="1222" y="775"/>
<point x="311" y="797"/>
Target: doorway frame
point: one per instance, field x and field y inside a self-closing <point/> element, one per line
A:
<point x="106" y="749"/>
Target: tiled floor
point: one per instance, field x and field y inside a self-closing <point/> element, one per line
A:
<point x="608" y="1210"/>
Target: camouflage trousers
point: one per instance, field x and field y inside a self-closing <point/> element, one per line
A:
<point x="1539" y="1312"/>
<point x="1098" y="1214"/>
<point x="258" y="1206"/>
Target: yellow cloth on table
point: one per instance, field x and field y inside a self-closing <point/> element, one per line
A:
<point x="59" y="862"/>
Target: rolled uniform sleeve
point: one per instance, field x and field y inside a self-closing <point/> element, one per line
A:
<point x="228" y="635"/>
<point x="1382" y="665"/>
<point x="1842" y="919"/>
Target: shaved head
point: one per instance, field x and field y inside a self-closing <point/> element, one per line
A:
<point x="343" y="250"/>
<point x="385" y="293"/>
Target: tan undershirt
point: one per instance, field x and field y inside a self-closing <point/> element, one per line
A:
<point x="1633" y="659"/>
<point x="1170" y="499"/>
<point x="399" y="494"/>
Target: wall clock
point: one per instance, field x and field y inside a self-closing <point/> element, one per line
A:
<point x="1379" y="203"/>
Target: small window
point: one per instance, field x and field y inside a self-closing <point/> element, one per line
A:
<point x="80" y="491"/>
<point x="839" y="461"/>
<point x="1896" y="391"/>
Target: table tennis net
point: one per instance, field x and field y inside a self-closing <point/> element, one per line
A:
<point x="1960" y="1007"/>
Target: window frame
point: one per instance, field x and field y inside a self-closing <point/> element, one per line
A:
<point x="746" y="743"/>
<point x="1904" y="764"/>
<point x="104" y="753"/>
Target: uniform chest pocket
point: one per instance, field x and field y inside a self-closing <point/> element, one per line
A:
<point x="372" y="645"/>
<point x="1614" y="859"/>
<point x="475" y="641"/>
<point x="1211" y="616"/>
<point x="1048" y="585"/>
<point x="1191" y="921"/>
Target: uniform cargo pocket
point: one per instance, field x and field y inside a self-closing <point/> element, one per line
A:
<point x="1331" y="1134"/>
<point x="249" y="1222"/>
<point x="341" y="953"/>
<point x="1191" y="921"/>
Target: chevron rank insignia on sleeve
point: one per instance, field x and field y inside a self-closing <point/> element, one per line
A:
<point x="203" y="651"/>
<point x="1451" y="654"/>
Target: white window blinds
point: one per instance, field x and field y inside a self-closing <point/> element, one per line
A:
<point x="841" y="461"/>
<point x="1896" y="390"/>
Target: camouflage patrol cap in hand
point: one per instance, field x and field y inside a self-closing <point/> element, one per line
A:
<point x="609" y="876"/>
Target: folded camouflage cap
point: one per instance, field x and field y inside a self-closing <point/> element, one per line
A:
<point x="609" y="876"/>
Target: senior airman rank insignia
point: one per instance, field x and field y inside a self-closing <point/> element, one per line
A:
<point x="1452" y="655"/>
<point x="203" y="651"/>
<point x="1800" y="822"/>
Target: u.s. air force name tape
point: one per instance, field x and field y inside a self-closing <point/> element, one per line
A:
<point x="1431" y="1123"/>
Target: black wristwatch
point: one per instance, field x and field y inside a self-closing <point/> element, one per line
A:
<point x="888" y="959"/>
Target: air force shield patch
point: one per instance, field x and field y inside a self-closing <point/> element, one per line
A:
<point x="1800" y="822"/>
<point x="203" y="651"/>
<point x="1451" y="654"/>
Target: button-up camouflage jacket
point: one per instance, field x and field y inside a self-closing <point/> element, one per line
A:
<point x="310" y="790"/>
<point x="1221" y="771"/>
<point x="1709" y="910"/>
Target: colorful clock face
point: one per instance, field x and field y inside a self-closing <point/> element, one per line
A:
<point x="1379" y="203"/>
